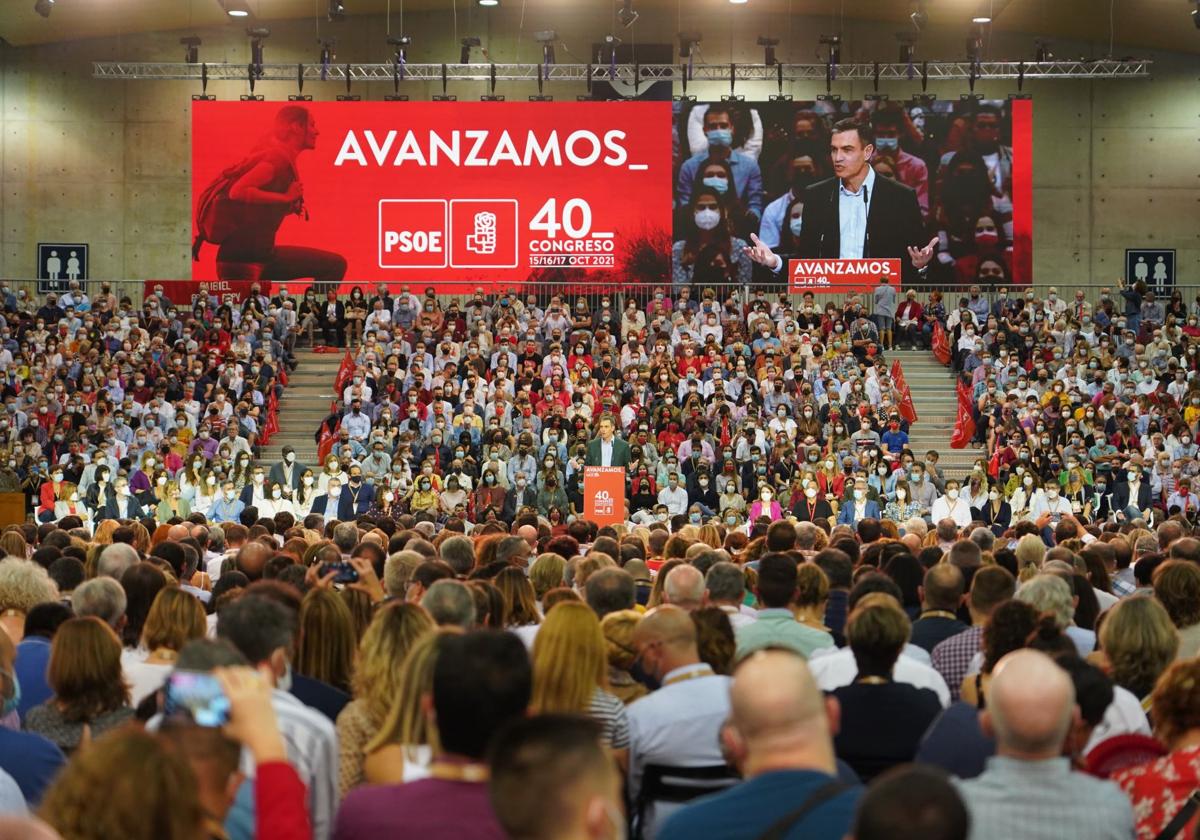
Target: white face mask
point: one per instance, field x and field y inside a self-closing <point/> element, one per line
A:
<point x="952" y="495"/>
<point x="308" y="480"/>
<point x="901" y="495"/>
<point x="230" y="495"/>
<point x="859" y="495"/>
<point x="275" y="494"/>
<point x="289" y="458"/>
<point x="766" y="495"/>
<point x="212" y="479"/>
<point x="707" y="219"/>
<point x="811" y="493"/>
<point x="334" y="492"/>
<point x="258" y="479"/>
<point x="993" y="495"/>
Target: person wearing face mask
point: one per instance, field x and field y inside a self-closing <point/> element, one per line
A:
<point x="951" y="506"/>
<point x="49" y="494"/>
<point x="902" y="505"/>
<point x="859" y="505"/>
<point x="286" y="473"/>
<point x="1131" y="498"/>
<point x="718" y="129"/>
<point x="812" y="506"/>
<point x="995" y="512"/>
<point x="709" y="254"/>
<point x="226" y="507"/>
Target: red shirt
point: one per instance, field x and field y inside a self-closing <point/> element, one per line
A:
<point x="1158" y="789"/>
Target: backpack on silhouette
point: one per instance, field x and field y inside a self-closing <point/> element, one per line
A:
<point x="218" y="216"/>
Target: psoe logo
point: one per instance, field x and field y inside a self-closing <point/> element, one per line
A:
<point x="604" y="503"/>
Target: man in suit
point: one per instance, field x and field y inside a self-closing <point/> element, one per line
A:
<point x="607" y="450"/>
<point x="287" y="472"/>
<point x="1133" y="496"/>
<point x="356" y="498"/>
<point x="855" y="214"/>
<point x="122" y="504"/>
<point x="328" y="504"/>
<point x="859" y="507"/>
<point x="518" y="496"/>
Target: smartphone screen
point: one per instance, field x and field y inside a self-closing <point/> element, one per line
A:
<point x="198" y="695"/>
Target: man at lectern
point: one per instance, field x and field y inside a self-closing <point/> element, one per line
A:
<point x="607" y="450"/>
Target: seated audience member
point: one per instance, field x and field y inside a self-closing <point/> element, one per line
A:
<point x="1028" y="788"/>
<point x="868" y="741"/>
<point x="551" y="778"/>
<point x="481" y="683"/>
<point x="775" y="625"/>
<point x="780" y="736"/>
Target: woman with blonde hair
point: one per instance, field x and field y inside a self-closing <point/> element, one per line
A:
<point x="325" y="640"/>
<point x="710" y="535"/>
<point x="394" y="631"/>
<point x="1137" y="643"/>
<point x="520" y="602"/>
<point x="407" y="739"/>
<point x="570" y="671"/>
<point x="173" y="504"/>
<point x="546" y="573"/>
<point x="90" y="692"/>
<point x="13" y="544"/>
<point x="618" y="630"/>
<point x="175" y="618"/>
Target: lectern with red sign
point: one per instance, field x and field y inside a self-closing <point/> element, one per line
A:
<point x="604" y="495"/>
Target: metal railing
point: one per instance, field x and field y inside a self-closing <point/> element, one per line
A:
<point x="618" y="293"/>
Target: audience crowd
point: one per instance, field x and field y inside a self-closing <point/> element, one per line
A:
<point x="423" y="636"/>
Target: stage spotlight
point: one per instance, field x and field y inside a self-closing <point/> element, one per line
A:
<point x="919" y="16"/>
<point x="981" y="19"/>
<point x="191" y="55"/>
<point x="257" y="35"/>
<point x="975" y="43"/>
<point x="328" y="54"/>
<point x="627" y="15"/>
<point x="834" y="42"/>
<point x="467" y="44"/>
<point x="739" y="2"/>
<point x="1043" y="53"/>
<point x="337" y="10"/>
<point x="688" y="41"/>
<point x="43" y="7"/>
<point x="237" y="8"/>
<point x="489" y="2"/>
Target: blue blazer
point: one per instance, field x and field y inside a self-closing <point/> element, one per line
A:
<point x="846" y="512"/>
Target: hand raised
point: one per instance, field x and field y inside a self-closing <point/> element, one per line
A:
<point x="921" y="256"/>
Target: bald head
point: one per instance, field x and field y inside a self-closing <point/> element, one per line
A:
<point x="178" y="532"/>
<point x="251" y="558"/>
<point x="913" y="542"/>
<point x="529" y="534"/>
<point x="684" y="587"/>
<point x="943" y="587"/>
<point x="665" y="639"/>
<point x="1031" y="704"/>
<point x="779" y="717"/>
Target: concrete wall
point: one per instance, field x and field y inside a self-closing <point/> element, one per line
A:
<point x="1116" y="163"/>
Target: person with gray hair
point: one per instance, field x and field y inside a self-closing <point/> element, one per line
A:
<point x="398" y="570"/>
<point x="916" y="525"/>
<point x="214" y="552"/>
<point x="684" y="588"/>
<point x="984" y="538"/>
<point x="459" y="554"/>
<point x="1029" y="788"/>
<point x="23" y="585"/>
<point x="610" y="590"/>
<point x="514" y="551"/>
<point x="115" y="560"/>
<point x="103" y="598"/>
<point x="1050" y="593"/>
<point x="450" y="603"/>
<point x="806" y="536"/>
<point x="726" y="586"/>
<point x="345" y="537"/>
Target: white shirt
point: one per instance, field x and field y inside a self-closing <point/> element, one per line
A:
<point x="737" y="618"/>
<point x="837" y="669"/>
<point x="853" y="210"/>
<point x="606" y="450"/>
<point x="675" y="500"/>
<point x="677" y="725"/>
<point x="958" y="510"/>
<point x="1124" y="715"/>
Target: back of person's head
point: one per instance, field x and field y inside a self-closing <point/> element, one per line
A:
<point x="991" y="586"/>
<point x="459" y="554"/>
<point x="726" y="583"/>
<point x="869" y="530"/>
<point x="965" y="554"/>
<point x="450" y="603"/>
<point x="837" y="567"/>
<point x="481" y="682"/>
<point x="66" y="572"/>
<point x="1177" y="587"/>
<point x="943" y="587"/>
<point x="873" y="582"/>
<point x="430" y="572"/>
<point x="877" y="629"/>
<point x="774" y="700"/>
<point x="610" y="590"/>
<point x="776" y="580"/>
<point x="1168" y="531"/>
<point x="128" y="784"/>
<point x="781" y="536"/>
<point x="261" y="628"/>
<point x="1031" y="703"/>
<point x="345" y="536"/>
<point x="1049" y="593"/>
<point x="551" y="777"/>
<point x="947" y="530"/>
<point x="984" y="538"/>
<point x="911" y="802"/>
<point x="85" y="669"/>
<point x="175" y="618"/>
<point x="44" y="620"/>
<point x="115" y="559"/>
<point x="102" y="598"/>
<point x="684" y="587"/>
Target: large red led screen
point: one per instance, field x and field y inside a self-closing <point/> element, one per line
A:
<point x="467" y="193"/>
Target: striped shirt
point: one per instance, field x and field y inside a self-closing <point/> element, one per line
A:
<point x="609" y="712"/>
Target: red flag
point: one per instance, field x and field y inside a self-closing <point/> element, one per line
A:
<point x="345" y="373"/>
<point x="907" y="409"/>
<point x="964" y="426"/>
<point x="941" y="343"/>
<point x="326" y="443"/>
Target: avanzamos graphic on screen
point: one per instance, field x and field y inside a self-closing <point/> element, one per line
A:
<point x="420" y="192"/>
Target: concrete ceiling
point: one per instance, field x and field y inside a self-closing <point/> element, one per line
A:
<point x="1142" y="24"/>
